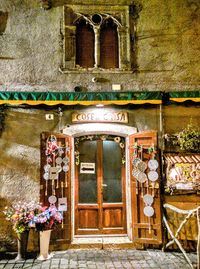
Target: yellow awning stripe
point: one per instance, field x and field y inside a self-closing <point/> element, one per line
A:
<point x="86" y="103"/>
<point x="180" y="100"/>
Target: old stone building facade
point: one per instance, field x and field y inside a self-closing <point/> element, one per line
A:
<point x="159" y="42"/>
<point x="128" y="55"/>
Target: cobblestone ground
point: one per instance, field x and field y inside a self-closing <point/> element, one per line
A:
<point x="104" y="259"/>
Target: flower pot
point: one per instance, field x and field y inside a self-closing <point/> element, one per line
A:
<point x="44" y="245"/>
<point x="22" y="242"/>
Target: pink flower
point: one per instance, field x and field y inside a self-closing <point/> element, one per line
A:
<point x="21" y="214"/>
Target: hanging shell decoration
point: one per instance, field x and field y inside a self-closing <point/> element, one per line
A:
<point x="77" y="157"/>
<point x="117" y="139"/>
<point x="52" y="146"/>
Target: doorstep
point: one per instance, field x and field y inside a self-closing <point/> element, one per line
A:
<point x="102" y="242"/>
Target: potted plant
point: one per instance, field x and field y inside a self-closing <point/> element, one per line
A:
<point x="46" y="220"/>
<point x="189" y="138"/>
<point x="21" y="214"/>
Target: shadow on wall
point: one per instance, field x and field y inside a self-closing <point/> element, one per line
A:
<point x="3" y="21"/>
<point x="8" y="238"/>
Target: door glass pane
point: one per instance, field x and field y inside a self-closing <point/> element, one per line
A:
<point x="112" y="186"/>
<point x="87" y="181"/>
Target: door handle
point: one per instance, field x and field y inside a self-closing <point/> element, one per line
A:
<point x="104" y="185"/>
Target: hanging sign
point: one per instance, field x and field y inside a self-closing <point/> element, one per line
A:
<point x="100" y="116"/>
<point x="54" y="172"/>
<point x="62" y="204"/>
<point x="87" y="168"/>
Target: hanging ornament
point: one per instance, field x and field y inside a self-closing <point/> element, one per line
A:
<point x="148" y="199"/>
<point x="65" y="168"/>
<point x="148" y="211"/>
<point x="65" y="160"/>
<point x="52" y="146"/>
<point x="153" y="175"/>
<point x="46" y="175"/>
<point x="153" y="164"/>
<point x="52" y="200"/>
<point x="47" y="167"/>
<point x="59" y="160"/>
<point x="141" y="177"/>
<point x="60" y="151"/>
<point x="49" y="160"/>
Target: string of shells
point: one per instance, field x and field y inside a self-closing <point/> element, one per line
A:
<point x="139" y="168"/>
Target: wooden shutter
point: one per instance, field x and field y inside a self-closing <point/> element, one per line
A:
<point x="146" y="230"/>
<point x="62" y="185"/>
<point x="84" y="45"/>
<point x="109" y="56"/>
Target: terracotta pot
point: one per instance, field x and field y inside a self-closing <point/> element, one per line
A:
<point x="44" y="245"/>
<point x="22" y="242"/>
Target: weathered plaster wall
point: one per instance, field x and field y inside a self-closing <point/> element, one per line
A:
<point x="20" y="146"/>
<point x="167" y="48"/>
<point x="177" y="117"/>
<point x="20" y="152"/>
<point x="19" y="162"/>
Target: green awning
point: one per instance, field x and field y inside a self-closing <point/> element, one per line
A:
<point x="93" y="98"/>
<point x="80" y="98"/>
<point x="183" y="96"/>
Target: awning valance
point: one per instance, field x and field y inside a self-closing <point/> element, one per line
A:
<point x="182" y="96"/>
<point x="80" y="98"/>
<point x="94" y="98"/>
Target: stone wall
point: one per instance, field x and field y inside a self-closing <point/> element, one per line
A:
<point x="165" y="41"/>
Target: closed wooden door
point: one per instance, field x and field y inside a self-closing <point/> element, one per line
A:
<point x="100" y="187"/>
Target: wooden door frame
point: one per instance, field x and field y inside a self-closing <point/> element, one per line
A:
<point x="127" y="191"/>
<point x="76" y="130"/>
<point x="101" y="207"/>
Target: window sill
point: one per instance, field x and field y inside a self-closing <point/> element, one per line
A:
<point x="95" y="71"/>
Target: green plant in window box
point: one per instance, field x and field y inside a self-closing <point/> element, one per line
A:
<point x="189" y="138"/>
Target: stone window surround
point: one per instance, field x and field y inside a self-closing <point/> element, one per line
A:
<point x="120" y="16"/>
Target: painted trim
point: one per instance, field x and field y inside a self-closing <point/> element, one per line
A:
<point x="180" y="100"/>
<point x="86" y="103"/>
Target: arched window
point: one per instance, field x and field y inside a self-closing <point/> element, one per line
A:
<point x="84" y="45"/>
<point x="109" y="51"/>
<point x="98" y="40"/>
